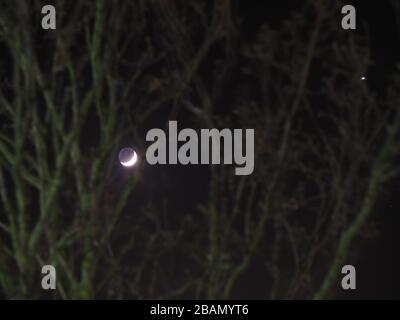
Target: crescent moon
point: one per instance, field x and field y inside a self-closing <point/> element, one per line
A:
<point x="131" y="161"/>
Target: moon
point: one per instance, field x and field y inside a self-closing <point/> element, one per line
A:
<point x="128" y="157"/>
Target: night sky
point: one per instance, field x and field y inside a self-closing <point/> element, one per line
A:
<point x="379" y="278"/>
<point x="107" y="75"/>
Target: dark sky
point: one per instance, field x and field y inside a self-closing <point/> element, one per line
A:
<point x="378" y="263"/>
<point x="379" y="276"/>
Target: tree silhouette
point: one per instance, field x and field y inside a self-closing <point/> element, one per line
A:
<point x="71" y="98"/>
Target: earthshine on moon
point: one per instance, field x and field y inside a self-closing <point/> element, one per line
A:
<point x="127" y="157"/>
